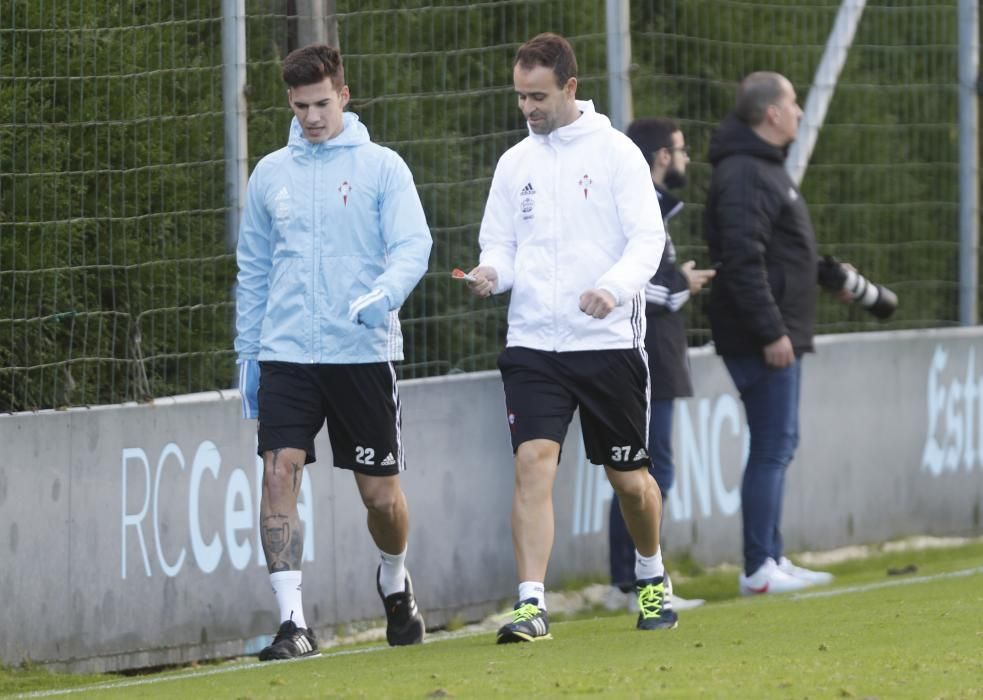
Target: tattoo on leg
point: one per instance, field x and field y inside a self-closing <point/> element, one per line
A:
<point x="276" y="533"/>
<point x="297" y="469"/>
<point x="281" y="534"/>
<point x="276" y="455"/>
<point x="283" y="542"/>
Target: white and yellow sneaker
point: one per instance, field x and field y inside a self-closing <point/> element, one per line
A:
<point x="530" y="623"/>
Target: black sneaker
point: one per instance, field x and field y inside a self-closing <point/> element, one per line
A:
<point x="654" y="610"/>
<point x="404" y="623"/>
<point x="290" y="642"/>
<point x="530" y="623"/>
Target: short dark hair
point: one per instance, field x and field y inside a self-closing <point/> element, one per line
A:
<point x="652" y="134"/>
<point x="549" y="50"/>
<point x="756" y="93"/>
<point x="312" y="64"/>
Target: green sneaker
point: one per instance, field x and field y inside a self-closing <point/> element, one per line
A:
<point x="529" y="624"/>
<point x="654" y="610"/>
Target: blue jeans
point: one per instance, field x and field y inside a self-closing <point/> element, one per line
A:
<point x="771" y="403"/>
<point x="621" y="546"/>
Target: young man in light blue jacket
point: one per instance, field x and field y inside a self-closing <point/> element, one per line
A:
<point x="332" y="241"/>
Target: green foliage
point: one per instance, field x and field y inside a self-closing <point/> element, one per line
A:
<point x="882" y="184"/>
<point x="433" y="81"/>
<point x="115" y="276"/>
<point x="113" y="265"/>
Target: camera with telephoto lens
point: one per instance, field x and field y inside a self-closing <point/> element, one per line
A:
<point x="875" y="298"/>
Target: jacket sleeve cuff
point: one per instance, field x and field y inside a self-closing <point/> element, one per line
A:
<point x="615" y="292"/>
<point x="504" y="271"/>
<point x="388" y="294"/>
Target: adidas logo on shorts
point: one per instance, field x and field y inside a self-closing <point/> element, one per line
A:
<point x="388" y="461"/>
<point x="641" y="454"/>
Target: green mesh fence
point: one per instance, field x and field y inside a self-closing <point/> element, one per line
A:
<point x="115" y="278"/>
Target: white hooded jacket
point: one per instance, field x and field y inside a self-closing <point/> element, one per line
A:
<point x="569" y="211"/>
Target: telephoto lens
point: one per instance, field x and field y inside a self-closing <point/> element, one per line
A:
<point x="875" y="298"/>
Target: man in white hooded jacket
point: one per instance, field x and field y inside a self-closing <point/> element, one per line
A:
<point x="572" y="227"/>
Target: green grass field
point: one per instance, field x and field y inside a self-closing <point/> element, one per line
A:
<point x="870" y="635"/>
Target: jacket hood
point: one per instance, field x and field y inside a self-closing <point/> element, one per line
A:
<point x="353" y="133"/>
<point x="588" y="122"/>
<point x="734" y="137"/>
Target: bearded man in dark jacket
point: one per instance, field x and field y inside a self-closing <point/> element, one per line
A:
<point x="663" y="144"/>
<point x="763" y="307"/>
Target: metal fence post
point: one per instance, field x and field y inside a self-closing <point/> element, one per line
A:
<point x="969" y="162"/>
<point x="315" y="22"/>
<point x="619" y="62"/>
<point x="234" y="111"/>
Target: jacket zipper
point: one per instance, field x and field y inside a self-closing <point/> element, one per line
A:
<point x="315" y="254"/>
<point x="556" y="244"/>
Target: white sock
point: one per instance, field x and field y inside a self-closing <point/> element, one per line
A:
<point x="649" y="567"/>
<point x="287" y="589"/>
<point x="533" y="589"/>
<point x="392" y="573"/>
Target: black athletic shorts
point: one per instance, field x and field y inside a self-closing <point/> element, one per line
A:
<point x="360" y="403"/>
<point x="611" y="388"/>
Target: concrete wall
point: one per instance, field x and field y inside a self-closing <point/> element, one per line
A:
<point x="128" y="534"/>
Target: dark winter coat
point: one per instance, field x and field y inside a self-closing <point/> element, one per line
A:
<point x="762" y="246"/>
<point x="665" y="334"/>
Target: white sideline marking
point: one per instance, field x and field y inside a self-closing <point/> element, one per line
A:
<point x="904" y="581"/>
<point x="114" y="685"/>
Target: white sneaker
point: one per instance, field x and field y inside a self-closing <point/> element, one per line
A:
<point x="770" y="579"/>
<point x="677" y="603"/>
<point x="813" y="577"/>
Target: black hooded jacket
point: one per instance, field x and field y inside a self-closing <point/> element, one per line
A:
<point x="762" y="245"/>
<point x="665" y="333"/>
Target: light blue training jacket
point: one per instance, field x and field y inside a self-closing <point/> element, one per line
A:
<point x="324" y="224"/>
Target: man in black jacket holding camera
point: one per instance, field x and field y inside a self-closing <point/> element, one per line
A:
<point x="763" y="307"/>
